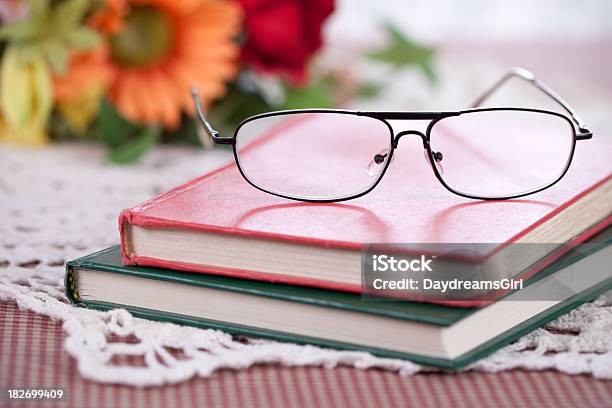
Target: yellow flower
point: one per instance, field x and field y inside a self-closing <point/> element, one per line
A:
<point x="79" y="91"/>
<point x="26" y="97"/>
<point x="81" y="110"/>
<point x="33" y="134"/>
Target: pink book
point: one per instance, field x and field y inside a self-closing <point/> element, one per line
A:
<point x="219" y="224"/>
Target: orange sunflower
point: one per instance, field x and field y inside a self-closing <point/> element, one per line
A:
<point x="158" y="49"/>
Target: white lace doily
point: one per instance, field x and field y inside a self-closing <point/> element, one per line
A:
<point x="62" y="202"/>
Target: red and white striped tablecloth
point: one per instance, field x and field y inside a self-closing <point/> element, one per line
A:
<point x="32" y="357"/>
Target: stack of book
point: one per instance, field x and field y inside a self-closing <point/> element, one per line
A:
<point x="216" y="253"/>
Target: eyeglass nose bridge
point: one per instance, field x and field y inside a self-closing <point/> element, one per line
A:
<point x="409" y="132"/>
<point x="436" y="155"/>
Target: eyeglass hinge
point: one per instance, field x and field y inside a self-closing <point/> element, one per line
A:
<point x="223" y="140"/>
<point x="584" y="134"/>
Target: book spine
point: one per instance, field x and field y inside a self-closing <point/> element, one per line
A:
<point x="70" y="284"/>
<point x="71" y="287"/>
<point x="127" y="255"/>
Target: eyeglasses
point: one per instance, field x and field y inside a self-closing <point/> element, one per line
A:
<point x="326" y="155"/>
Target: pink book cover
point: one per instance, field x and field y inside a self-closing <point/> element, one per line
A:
<point x="409" y="205"/>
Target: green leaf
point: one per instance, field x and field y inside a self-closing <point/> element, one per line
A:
<point x="369" y="90"/>
<point x="429" y="72"/>
<point x="69" y="13"/>
<point x="402" y="52"/>
<point x="20" y="31"/>
<point x="82" y="38"/>
<point x="187" y="133"/>
<point x="237" y="105"/>
<point x="114" y="129"/>
<point x="38" y="7"/>
<point x="57" y="55"/>
<point x="311" y="96"/>
<point x="135" y="148"/>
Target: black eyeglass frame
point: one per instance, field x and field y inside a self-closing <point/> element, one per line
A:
<point x="581" y="132"/>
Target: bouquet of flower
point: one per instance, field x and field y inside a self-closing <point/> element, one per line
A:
<point x="120" y="70"/>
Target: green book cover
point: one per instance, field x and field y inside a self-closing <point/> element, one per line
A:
<point x="109" y="260"/>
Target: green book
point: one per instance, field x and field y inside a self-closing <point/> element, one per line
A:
<point x="430" y="334"/>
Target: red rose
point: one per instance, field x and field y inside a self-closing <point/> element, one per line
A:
<point x="283" y="34"/>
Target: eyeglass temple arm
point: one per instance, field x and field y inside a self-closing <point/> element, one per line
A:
<point x="583" y="131"/>
<point x="212" y="134"/>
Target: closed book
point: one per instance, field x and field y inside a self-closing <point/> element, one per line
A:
<point x="219" y="224"/>
<point x="426" y="333"/>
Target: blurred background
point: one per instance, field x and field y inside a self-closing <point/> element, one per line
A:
<point x="562" y="21"/>
<point x="565" y="43"/>
<point x="118" y="72"/>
